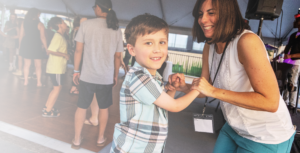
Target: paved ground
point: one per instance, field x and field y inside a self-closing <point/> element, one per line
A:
<point x="13" y="144"/>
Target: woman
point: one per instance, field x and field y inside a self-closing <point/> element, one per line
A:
<point x="11" y="28"/>
<point x="100" y="42"/>
<point x="257" y="117"/>
<point x="32" y="43"/>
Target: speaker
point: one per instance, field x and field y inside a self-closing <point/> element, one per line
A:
<point x="268" y="9"/>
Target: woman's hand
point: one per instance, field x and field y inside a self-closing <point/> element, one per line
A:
<point x="76" y="77"/>
<point x="203" y="86"/>
<point x="177" y="82"/>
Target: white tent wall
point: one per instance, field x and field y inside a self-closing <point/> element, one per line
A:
<point x="177" y="13"/>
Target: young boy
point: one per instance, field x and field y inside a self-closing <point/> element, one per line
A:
<point x="143" y="103"/>
<point x="56" y="65"/>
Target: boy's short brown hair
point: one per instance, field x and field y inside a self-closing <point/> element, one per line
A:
<point x="144" y="24"/>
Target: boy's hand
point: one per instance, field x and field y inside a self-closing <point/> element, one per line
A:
<point x="203" y="86"/>
<point x="76" y="77"/>
<point x="177" y="81"/>
<point x="67" y="56"/>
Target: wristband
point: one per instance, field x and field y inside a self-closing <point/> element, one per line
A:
<point x="76" y="71"/>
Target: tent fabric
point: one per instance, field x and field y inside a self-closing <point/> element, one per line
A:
<point x="177" y="13"/>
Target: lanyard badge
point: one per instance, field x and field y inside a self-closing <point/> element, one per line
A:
<point x="205" y="122"/>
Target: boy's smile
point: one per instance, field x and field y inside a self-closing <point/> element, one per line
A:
<point x="150" y="50"/>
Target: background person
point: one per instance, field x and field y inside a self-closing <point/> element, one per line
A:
<point x="56" y="65"/>
<point x="101" y="41"/>
<point x="257" y="117"/>
<point x="32" y="40"/>
<point x="292" y="56"/>
<point x="11" y="28"/>
<point x="19" y="71"/>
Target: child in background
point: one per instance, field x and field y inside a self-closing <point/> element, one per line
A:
<point x="56" y="65"/>
<point x="143" y="103"/>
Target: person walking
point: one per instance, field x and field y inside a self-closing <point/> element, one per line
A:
<point x="101" y="43"/>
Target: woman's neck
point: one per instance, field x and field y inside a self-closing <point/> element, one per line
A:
<point x="102" y="15"/>
<point x="220" y="47"/>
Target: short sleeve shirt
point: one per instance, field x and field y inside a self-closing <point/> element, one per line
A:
<point x="57" y="64"/>
<point x="143" y="126"/>
<point x="100" y="45"/>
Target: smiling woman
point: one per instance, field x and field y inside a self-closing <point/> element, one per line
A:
<point x="217" y="28"/>
<point x="234" y="59"/>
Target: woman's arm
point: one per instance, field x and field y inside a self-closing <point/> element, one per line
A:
<point x="252" y="54"/>
<point x="42" y="35"/>
<point x="117" y="64"/>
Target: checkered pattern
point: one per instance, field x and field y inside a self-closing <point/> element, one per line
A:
<point x="144" y="126"/>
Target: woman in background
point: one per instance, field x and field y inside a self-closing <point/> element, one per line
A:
<point x="32" y="43"/>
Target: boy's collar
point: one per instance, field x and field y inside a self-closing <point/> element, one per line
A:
<point x="157" y="75"/>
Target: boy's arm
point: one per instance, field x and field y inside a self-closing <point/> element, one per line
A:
<point x="58" y="54"/>
<point x="171" y="93"/>
<point x="176" y="105"/>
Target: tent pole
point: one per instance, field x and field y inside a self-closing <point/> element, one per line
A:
<point x="68" y="7"/>
<point x="260" y="25"/>
<point x="162" y="10"/>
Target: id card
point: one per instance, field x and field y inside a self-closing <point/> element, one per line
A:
<point x="204" y="123"/>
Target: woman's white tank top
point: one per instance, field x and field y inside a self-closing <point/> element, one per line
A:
<point x="258" y="126"/>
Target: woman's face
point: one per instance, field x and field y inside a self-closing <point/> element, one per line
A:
<point x="207" y="18"/>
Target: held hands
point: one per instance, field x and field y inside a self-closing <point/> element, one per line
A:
<point x="203" y="86"/>
<point x="176" y="82"/>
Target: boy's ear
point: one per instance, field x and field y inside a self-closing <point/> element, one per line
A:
<point x="131" y="49"/>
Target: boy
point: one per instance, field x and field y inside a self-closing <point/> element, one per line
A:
<point x="143" y="104"/>
<point x="56" y="65"/>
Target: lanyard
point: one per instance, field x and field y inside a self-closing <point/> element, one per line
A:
<point x="215" y="74"/>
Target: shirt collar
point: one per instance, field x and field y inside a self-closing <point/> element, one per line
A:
<point x="157" y="75"/>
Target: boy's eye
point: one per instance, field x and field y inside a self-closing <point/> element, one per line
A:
<point x="149" y="43"/>
<point x="162" y="42"/>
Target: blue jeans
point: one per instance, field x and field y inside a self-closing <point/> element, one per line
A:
<point x="230" y="142"/>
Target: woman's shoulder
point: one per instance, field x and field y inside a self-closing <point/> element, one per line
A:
<point x="248" y="37"/>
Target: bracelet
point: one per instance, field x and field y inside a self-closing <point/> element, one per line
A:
<point x="76" y="71"/>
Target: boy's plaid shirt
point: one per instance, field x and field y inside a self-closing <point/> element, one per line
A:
<point x="144" y="126"/>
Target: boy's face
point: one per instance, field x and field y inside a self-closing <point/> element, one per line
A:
<point x="63" y="26"/>
<point x="150" y="50"/>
